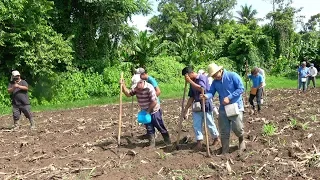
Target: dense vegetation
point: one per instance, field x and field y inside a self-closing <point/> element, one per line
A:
<point x="75" y="49"/>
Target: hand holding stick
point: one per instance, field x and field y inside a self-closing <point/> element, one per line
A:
<point x="205" y="122"/>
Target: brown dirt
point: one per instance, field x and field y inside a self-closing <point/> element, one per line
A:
<point x="82" y="144"/>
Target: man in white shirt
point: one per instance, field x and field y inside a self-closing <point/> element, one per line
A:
<point x="312" y="76"/>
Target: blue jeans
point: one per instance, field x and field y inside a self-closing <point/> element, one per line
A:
<point x="197" y="125"/>
<point x="302" y="85"/>
<point x="234" y="122"/>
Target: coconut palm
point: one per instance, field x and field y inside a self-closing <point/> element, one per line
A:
<point x="246" y="14"/>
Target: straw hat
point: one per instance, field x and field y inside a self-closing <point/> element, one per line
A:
<point x="213" y="68"/>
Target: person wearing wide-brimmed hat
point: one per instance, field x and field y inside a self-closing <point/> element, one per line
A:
<point x="18" y="89"/>
<point x="230" y="88"/>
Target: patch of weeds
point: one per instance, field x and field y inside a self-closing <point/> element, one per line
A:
<point x="177" y="177"/>
<point x="313" y="118"/>
<point x="269" y="129"/>
<point x="84" y="176"/>
<point x="162" y="155"/>
<point x="305" y="126"/>
<point x="293" y="123"/>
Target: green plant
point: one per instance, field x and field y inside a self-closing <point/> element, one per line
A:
<point x="293" y="123"/>
<point x="314" y="118"/>
<point x="161" y="155"/>
<point x="305" y="126"/>
<point x="269" y="129"/>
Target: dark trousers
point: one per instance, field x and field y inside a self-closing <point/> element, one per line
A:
<point x="313" y="79"/>
<point x="258" y="98"/>
<point x="25" y="109"/>
<point x="156" y="122"/>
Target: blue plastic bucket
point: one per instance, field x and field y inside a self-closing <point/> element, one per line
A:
<point x="144" y="117"/>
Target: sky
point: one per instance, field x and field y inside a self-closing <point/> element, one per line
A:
<point x="310" y="7"/>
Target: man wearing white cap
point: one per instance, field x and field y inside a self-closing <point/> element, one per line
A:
<point x="18" y="90"/>
<point x="230" y="88"/>
<point x="312" y="75"/>
<point x="147" y="100"/>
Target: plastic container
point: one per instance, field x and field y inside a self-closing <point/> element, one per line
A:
<point x="144" y="117"/>
<point x="232" y="109"/>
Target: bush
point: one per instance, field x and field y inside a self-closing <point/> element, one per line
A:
<point x="165" y="70"/>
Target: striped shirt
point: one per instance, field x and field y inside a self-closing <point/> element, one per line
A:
<point x="146" y="97"/>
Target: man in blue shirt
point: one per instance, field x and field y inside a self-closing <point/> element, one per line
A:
<point x="197" y="83"/>
<point x="303" y="73"/>
<point x="256" y="89"/>
<point x="230" y="88"/>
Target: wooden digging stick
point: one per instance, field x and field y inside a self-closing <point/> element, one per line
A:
<point x="246" y="77"/>
<point x="205" y="123"/>
<point x="181" y="116"/>
<point x="120" y="110"/>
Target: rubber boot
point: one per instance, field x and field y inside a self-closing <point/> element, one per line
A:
<point x="152" y="140"/>
<point x="32" y="126"/>
<point x="242" y="145"/>
<point x="15" y="124"/>
<point x="166" y="138"/>
<point x="225" y="146"/>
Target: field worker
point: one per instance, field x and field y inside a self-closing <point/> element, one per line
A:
<point x="230" y="88"/>
<point x="303" y="73"/>
<point x="312" y="76"/>
<point x="256" y="89"/>
<point x="197" y="83"/>
<point x="147" y="100"/>
<point x="18" y="90"/>
<point x="144" y="76"/>
<point x="261" y="71"/>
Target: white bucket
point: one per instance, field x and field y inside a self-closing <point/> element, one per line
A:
<point x="232" y="109"/>
<point x="303" y="79"/>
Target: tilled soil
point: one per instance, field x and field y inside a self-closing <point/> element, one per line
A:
<point x="82" y="144"/>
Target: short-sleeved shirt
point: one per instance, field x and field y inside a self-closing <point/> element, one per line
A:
<point x="256" y="80"/>
<point x="203" y="81"/>
<point x="19" y="96"/>
<point x="154" y="83"/>
<point x="146" y="97"/>
<point x="303" y="72"/>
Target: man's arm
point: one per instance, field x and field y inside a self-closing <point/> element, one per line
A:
<point x="23" y="86"/>
<point x="238" y="85"/>
<point x="189" y="103"/>
<point x="126" y="91"/>
<point x="211" y="92"/>
<point x="152" y="106"/>
<point x="153" y="99"/>
<point x="158" y="92"/>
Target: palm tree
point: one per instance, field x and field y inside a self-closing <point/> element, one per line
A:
<point x="246" y="14"/>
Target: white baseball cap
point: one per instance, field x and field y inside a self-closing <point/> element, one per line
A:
<point x="15" y="73"/>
